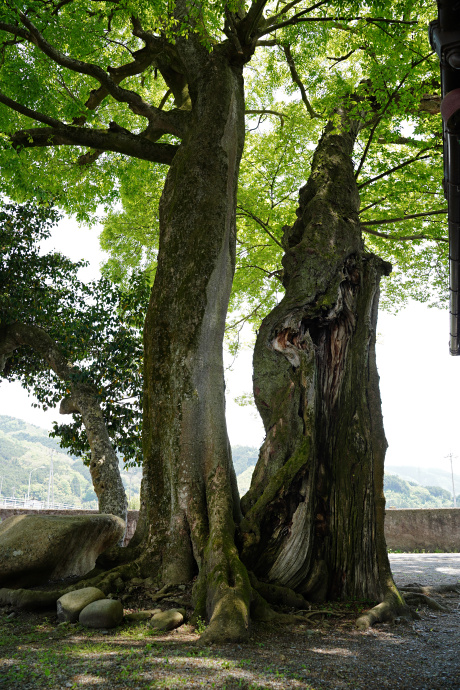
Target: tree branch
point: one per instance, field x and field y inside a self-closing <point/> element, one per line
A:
<point x="269" y="112"/>
<point x="260" y="222"/>
<point x="164" y="99"/>
<point x="150" y="40"/>
<point x="277" y="272"/>
<point x="33" y="114"/>
<point x="15" y="31"/>
<point x="297" y="80"/>
<point x="371" y="205"/>
<point x="158" y="119"/>
<point x="248" y="25"/>
<point x="418" y="157"/>
<point x="75" y="65"/>
<point x="407" y="238"/>
<point x="376" y="124"/>
<point x="343" y="57"/>
<point x="172" y="122"/>
<point x="271" y="20"/>
<point x="299" y="18"/>
<point x="231" y="31"/>
<point x="143" y="60"/>
<point x="118" y="139"/>
<point x="16" y="335"/>
<point x="244" y="318"/>
<point x="378" y="119"/>
<point x="411" y="216"/>
<point x="118" y="142"/>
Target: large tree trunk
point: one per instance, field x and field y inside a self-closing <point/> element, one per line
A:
<point x="315" y="511"/>
<point x="189" y="499"/>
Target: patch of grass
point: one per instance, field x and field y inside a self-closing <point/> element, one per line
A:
<point x="200" y="625"/>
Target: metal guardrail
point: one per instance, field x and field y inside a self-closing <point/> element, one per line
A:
<point x="34" y="504"/>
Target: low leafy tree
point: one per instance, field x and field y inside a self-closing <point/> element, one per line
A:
<point x="74" y="343"/>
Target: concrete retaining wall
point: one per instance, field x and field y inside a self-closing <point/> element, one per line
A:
<point x="431" y="529"/>
<point x="436" y="529"/>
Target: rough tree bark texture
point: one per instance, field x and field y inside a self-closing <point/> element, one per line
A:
<point x="104" y="468"/>
<point x="189" y="499"/>
<point x="315" y="510"/>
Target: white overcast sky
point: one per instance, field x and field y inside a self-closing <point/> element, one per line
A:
<point x="418" y="377"/>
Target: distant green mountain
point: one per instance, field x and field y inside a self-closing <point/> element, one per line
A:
<point x="244" y="457"/>
<point x="25" y="451"/>
<point x="402" y="493"/>
<point x="25" y="448"/>
<point x="428" y="477"/>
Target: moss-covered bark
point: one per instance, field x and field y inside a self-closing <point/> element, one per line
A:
<point x="189" y="500"/>
<point x="314" y="513"/>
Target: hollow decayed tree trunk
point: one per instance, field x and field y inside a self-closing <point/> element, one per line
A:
<point x="315" y="511"/>
<point x="189" y="499"/>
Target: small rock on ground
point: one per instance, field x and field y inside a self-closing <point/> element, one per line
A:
<point x="168" y="620"/>
<point x="71" y="604"/>
<point x="105" y="613"/>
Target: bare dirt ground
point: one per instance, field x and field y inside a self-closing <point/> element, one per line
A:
<point x="325" y="652"/>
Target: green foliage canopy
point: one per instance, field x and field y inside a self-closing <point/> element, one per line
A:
<point x="385" y="75"/>
<point x="373" y="59"/>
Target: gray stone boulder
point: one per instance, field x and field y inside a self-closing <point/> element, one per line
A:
<point x="71" y="604"/>
<point x="35" y="549"/>
<point x="105" y="613"/>
<point x="168" y="620"/>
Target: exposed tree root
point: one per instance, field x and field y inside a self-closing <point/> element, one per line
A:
<point x="229" y="622"/>
<point x="417" y="594"/>
<point x="261" y="611"/>
<point x="278" y="595"/>
<point x="30" y="600"/>
<point x="265" y="595"/>
<point x="429" y="589"/>
<point x="392" y="605"/>
<point x="319" y="612"/>
<point x="106" y="580"/>
<point x="33" y="600"/>
<point x="162" y="593"/>
<point x="413" y="598"/>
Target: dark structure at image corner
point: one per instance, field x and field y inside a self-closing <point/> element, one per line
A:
<point x="445" y="41"/>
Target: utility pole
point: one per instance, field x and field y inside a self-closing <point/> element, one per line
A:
<point x="450" y="455"/>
